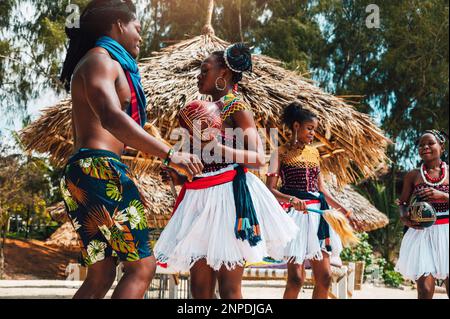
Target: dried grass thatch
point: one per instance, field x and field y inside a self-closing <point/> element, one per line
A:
<point x="367" y="217"/>
<point x="350" y="143"/>
<point x="64" y="237"/>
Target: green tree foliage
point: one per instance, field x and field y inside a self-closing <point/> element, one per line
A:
<point x="166" y="22"/>
<point x="32" y="45"/>
<point x="361" y="252"/>
<point x="27" y="186"/>
<point x="288" y="31"/>
<point x="401" y="68"/>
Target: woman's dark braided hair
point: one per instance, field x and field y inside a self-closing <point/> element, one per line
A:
<point x="237" y="58"/>
<point x="95" y="21"/>
<point x="294" y="112"/>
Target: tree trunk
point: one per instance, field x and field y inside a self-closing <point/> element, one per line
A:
<point x="208" y="29"/>
<point x="4" y="230"/>
<point x="27" y="231"/>
<point x="209" y="12"/>
<point x="241" y="34"/>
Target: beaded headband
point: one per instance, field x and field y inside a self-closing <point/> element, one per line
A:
<point x="440" y="136"/>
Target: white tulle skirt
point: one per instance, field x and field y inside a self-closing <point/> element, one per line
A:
<point x="203" y="228"/>
<point x="424" y="252"/>
<point x="307" y="245"/>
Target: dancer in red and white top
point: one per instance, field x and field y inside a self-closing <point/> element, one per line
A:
<point x="424" y="253"/>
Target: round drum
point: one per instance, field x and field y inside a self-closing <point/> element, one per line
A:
<point x="198" y="116"/>
<point x="422" y="213"/>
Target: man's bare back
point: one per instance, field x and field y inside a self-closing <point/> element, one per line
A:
<point x="87" y="127"/>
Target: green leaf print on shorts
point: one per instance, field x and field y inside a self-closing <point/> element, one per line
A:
<point x="70" y="202"/>
<point x="136" y="215"/>
<point x="98" y="168"/>
<point x="113" y="191"/>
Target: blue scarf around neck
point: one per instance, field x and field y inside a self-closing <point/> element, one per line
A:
<point x="129" y="64"/>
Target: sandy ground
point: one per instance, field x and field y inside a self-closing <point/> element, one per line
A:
<point x="54" y="289"/>
<point x="32" y="259"/>
<point x="35" y="270"/>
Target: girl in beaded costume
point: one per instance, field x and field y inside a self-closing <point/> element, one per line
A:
<point x="298" y="165"/>
<point x="424" y="252"/>
<point x="227" y="216"/>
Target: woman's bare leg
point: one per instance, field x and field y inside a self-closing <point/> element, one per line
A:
<point x="425" y="287"/>
<point x="295" y="281"/>
<point x="322" y="277"/>
<point x="203" y="280"/>
<point x="230" y="283"/>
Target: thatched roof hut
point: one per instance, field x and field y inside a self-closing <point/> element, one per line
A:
<point x="352" y="146"/>
<point x="367" y="217"/>
<point x="350" y="143"/>
<point x="65" y="236"/>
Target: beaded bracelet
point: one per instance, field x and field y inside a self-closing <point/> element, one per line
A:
<point x="403" y="208"/>
<point x="272" y="175"/>
<point x="166" y="162"/>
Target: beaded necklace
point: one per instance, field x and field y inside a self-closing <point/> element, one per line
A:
<point x="231" y="104"/>
<point x="304" y="157"/>
<point x="434" y="181"/>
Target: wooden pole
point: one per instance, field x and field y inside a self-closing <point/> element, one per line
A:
<point x="240" y="20"/>
<point x="4" y="229"/>
<point x="208" y="29"/>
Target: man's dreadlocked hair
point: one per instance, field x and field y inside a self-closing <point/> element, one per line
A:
<point x="95" y="21"/>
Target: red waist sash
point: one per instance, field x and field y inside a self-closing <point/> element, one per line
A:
<point x="441" y="221"/>
<point x="206" y="182"/>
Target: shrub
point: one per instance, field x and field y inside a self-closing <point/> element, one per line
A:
<point x="361" y="252"/>
<point x="390" y="277"/>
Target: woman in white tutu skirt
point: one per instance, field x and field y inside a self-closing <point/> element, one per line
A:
<point x="298" y="165"/>
<point x="226" y="216"/>
<point x="424" y="252"/>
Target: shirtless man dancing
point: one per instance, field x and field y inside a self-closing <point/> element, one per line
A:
<point x="108" y="113"/>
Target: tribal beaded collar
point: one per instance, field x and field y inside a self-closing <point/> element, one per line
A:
<point x="308" y="157"/>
